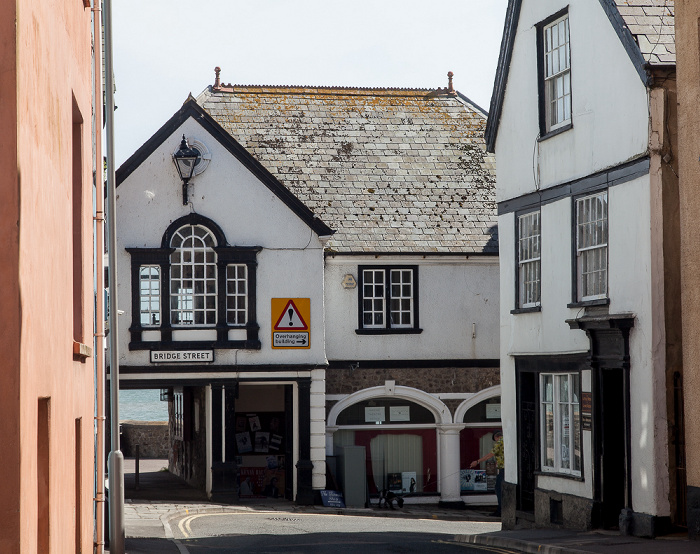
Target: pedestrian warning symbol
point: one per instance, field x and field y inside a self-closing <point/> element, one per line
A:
<point x="290" y="322"/>
<point x="291" y="319"/>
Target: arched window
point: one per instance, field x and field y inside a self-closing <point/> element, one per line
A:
<point x="193" y="276"/>
<point x="194" y="288"/>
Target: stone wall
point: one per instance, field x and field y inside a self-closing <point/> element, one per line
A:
<point x="152" y="437"/>
<point x="431" y="380"/>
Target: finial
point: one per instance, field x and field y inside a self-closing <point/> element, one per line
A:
<point x="450" y="89"/>
<point x="217" y="81"/>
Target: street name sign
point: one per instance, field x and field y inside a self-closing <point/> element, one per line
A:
<point x="182" y="356"/>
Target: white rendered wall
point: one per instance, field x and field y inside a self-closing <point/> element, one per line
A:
<point x="453" y="294"/>
<point x="630" y="281"/>
<point x="609" y="104"/>
<point x="289" y="266"/>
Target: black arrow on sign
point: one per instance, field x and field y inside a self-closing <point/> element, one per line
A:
<point x="302" y="341"/>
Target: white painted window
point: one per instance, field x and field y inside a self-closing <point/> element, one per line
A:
<point x="529" y="270"/>
<point x="592" y="246"/>
<point x="178" y="414"/>
<point x="373" y="290"/>
<point x="236" y="294"/>
<point x="193" y="276"/>
<point x="560" y="422"/>
<point x="388" y="298"/>
<point x="401" y="313"/>
<point x="149" y="292"/>
<point x="557" y="74"/>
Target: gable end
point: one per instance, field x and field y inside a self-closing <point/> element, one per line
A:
<point x="191" y="109"/>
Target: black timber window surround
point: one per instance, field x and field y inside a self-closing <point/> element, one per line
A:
<point x="387" y="299"/>
<point x="590" y="250"/>
<point x="554" y="74"/>
<point x="195" y="280"/>
<point x="528" y="263"/>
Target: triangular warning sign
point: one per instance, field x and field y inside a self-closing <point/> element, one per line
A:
<point x="291" y="319"/>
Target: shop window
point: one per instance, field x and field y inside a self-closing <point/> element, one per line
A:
<point x="476" y="441"/>
<point x="400" y="443"/>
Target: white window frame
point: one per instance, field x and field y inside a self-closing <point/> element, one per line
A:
<point x="237" y="294"/>
<point x="529" y="260"/>
<point x="557" y="73"/>
<point x="193" y="277"/>
<point x="401" y="298"/>
<point x="373" y="298"/>
<point x="178" y="414"/>
<point x="560" y="424"/>
<point x="149" y="295"/>
<point x="592" y="246"/>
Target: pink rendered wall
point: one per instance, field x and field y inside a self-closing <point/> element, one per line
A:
<point x="9" y="287"/>
<point x="52" y="49"/>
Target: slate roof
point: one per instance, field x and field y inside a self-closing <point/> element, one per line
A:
<point x="651" y="22"/>
<point x="391" y="170"/>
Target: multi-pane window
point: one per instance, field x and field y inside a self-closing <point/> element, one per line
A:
<point x="529" y="260"/>
<point x="149" y="287"/>
<point x="373" y="294"/>
<point x="388" y="298"/>
<point x="401" y="313"/>
<point x="236" y="294"/>
<point x="557" y="74"/>
<point x="560" y="422"/>
<point x="592" y="246"/>
<point x="178" y="420"/>
<point x="193" y="276"/>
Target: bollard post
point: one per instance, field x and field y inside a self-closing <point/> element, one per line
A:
<point x="136" y="474"/>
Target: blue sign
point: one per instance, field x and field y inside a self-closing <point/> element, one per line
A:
<point x="333" y="499"/>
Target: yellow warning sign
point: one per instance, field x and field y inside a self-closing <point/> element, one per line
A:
<point x="290" y="322"/>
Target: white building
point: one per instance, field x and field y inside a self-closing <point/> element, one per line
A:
<point x="583" y="125"/>
<point x="403" y="289"/>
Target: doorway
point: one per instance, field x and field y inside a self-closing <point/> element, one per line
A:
<point x="612" y="454"/>
<point x="527" y="440"/>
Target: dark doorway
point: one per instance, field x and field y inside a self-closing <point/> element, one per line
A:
<point x="612" y="446"/>
<point x="527" y="440"/>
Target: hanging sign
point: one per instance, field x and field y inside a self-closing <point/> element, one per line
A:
<point x="290" y="322"/>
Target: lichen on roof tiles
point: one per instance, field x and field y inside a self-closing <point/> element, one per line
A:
<point x="390" y="169"/>
<point x="651" y="22"/>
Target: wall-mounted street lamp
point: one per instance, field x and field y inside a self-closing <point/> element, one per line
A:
<point x="185" y="160"/>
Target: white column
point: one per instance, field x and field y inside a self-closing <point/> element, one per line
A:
<point x="450" y="490"/>
<point x="330" y="449"/>
<point x="318" y="428"/>
<point x="208" y="434"/>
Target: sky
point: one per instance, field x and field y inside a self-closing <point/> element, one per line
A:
<point x="166" y="49"/>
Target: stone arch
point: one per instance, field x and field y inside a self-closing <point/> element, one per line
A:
<point x="428" y="401"/>
<point x="480" y="396"/>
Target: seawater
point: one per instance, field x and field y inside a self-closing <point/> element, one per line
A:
<point x="142" y="405"/>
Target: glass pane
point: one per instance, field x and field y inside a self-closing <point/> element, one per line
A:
<point x="548" y="435"/>
<point x="548" y="389"/>
<point x="564" y="435"/>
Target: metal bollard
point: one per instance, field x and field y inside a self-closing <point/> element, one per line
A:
<point x="136" y="474"/>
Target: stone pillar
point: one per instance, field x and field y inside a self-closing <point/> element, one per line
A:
<point x="450" y="490"/>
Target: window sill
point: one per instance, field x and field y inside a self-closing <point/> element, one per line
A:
<point x="196" y="345"/>
<point x="529" y="310"/>
<point x="556" y="132"/>
<point x="568" y="476"/>
<point x="399" y="331"/>
<point x="81" y="352"/>
<point x="586" y="303"/>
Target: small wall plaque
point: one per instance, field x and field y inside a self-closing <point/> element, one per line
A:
<point x="349" y="281"/>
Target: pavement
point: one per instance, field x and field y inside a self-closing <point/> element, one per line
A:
<point x="148" y="520"/>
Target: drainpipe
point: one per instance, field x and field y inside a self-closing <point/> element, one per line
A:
<point x="116" y="458"/>
<point x="99" y="546"/>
